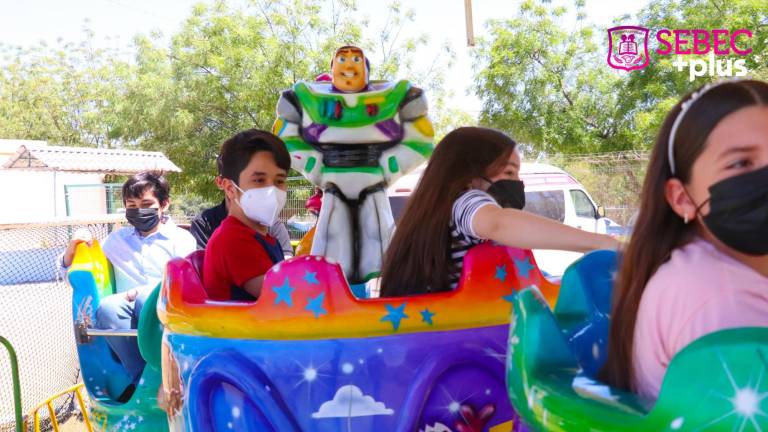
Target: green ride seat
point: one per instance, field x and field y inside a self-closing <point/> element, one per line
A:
<point x="717" y="383"/>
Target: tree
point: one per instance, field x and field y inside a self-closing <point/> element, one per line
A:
<point x="651" y="92"/>
<point x="222" y="72"/>
<point x="65" y="94"/>
<point x="548" y="86"/>
<point x="551" y="88"/>
<point x="225" y="69"/>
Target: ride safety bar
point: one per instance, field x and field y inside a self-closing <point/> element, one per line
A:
<point x="123" y="333"/>
<point x="83" y="333"/>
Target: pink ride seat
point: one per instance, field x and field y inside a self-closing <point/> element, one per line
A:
<point x="197" y="258"/>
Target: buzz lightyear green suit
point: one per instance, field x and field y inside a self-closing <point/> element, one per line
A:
<point x="353" y="145"/>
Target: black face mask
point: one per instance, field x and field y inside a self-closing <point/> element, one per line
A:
<point x="508" y="193"/>
<point x="738" y="212"/>
<point x="144" y="219"/>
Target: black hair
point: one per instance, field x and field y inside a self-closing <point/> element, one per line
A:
<point x="658" y="229"/>
<point x="135" y="186"/>
<point x="236" y="152"/>
<point x="418" y="258"/>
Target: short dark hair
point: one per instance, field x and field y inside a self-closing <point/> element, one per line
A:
<point x="135" y="186"/>
<point x="236" y="152"/>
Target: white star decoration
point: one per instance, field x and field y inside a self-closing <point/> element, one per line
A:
<point x="310" y="375"/>
<point x="454" y="403"/>
<point x="128" y="423"/>
<point x="746" y="401"/>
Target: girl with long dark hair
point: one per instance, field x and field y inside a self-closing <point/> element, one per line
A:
<point x="698" y="258"/>
<point x="450" y="211"/>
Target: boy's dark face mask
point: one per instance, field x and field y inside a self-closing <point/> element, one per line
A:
<point x="738" y="212"/>
<point x="144" y="219"/>
<point x="508" y="193"/>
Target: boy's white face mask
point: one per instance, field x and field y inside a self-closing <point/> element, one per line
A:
<point x="262" y="205"/>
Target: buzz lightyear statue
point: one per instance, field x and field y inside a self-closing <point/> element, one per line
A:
<point x="353" y="137"/>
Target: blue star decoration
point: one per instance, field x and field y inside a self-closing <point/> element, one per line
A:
<point x="426" y="316"/>
<point x="501" y="272"/>
<point x="315" y="305"/>
<point x="509" y="297"/>
<point x="524" y="267"/>
<point x="395" y="315"/>
<point x="284" y="293"/>
<point x="311" y="278"/>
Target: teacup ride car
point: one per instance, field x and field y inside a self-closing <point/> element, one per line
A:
<point x="91" y="277"/>
<point x="716" y="383"/>
<point x="310" y="356"/>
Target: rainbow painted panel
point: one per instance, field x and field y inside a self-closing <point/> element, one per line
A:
<point x="309" y="298"/>
<point x="308" y="356"/>
<point x="105" y="378"/>
<point x="91" y="258"/>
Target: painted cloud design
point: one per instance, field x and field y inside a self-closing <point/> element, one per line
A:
<point x="437" y="427"/>
<point x="349" y="401"/>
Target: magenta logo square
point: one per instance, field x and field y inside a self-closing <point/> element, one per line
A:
<point x="628" y="47"/>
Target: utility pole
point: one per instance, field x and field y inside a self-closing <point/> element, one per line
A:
<point x="468" y="18"/>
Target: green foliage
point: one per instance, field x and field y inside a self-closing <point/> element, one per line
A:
<point x="551" y="88"/>
<point x="190" y="205"/>
<point x="540" y="83"/>
<point x="66" y="94"/>
<point x="614" y="180"/>
<point x="222" y="72"/>
<point x="650" y="93"/>
<point x="448" y="118"/>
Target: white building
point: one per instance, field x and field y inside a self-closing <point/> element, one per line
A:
<point x="39" y="182"/>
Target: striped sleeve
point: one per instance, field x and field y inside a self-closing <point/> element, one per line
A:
<point x="464" y="209"/>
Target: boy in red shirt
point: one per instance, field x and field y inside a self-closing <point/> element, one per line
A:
<point x="255" y="168"/>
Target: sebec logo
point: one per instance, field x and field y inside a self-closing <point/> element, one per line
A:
<point x="628" y="50"/>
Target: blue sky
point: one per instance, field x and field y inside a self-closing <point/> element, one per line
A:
<point x="115" y="22"/>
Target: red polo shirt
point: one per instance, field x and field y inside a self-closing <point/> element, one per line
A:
<point x="234" y="256"/>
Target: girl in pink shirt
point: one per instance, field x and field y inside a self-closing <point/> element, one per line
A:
<point x="698" y="259"/>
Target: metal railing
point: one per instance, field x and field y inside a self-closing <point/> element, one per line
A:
<point x="48" y="403"/>
<point x="83" y="333"/>
<point x="16" y="382"/>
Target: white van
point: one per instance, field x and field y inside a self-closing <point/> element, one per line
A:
<point x="549" y="192"/>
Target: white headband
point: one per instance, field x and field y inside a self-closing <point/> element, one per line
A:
<point x="683" y="109"/>
<point x="679" y="119"/>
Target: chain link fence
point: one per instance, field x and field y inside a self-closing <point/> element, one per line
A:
<point x="614" y="180"/>
<point x="35" y="301"/>
<point x="36" y="316"/>
<point x="296" y="217"/>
